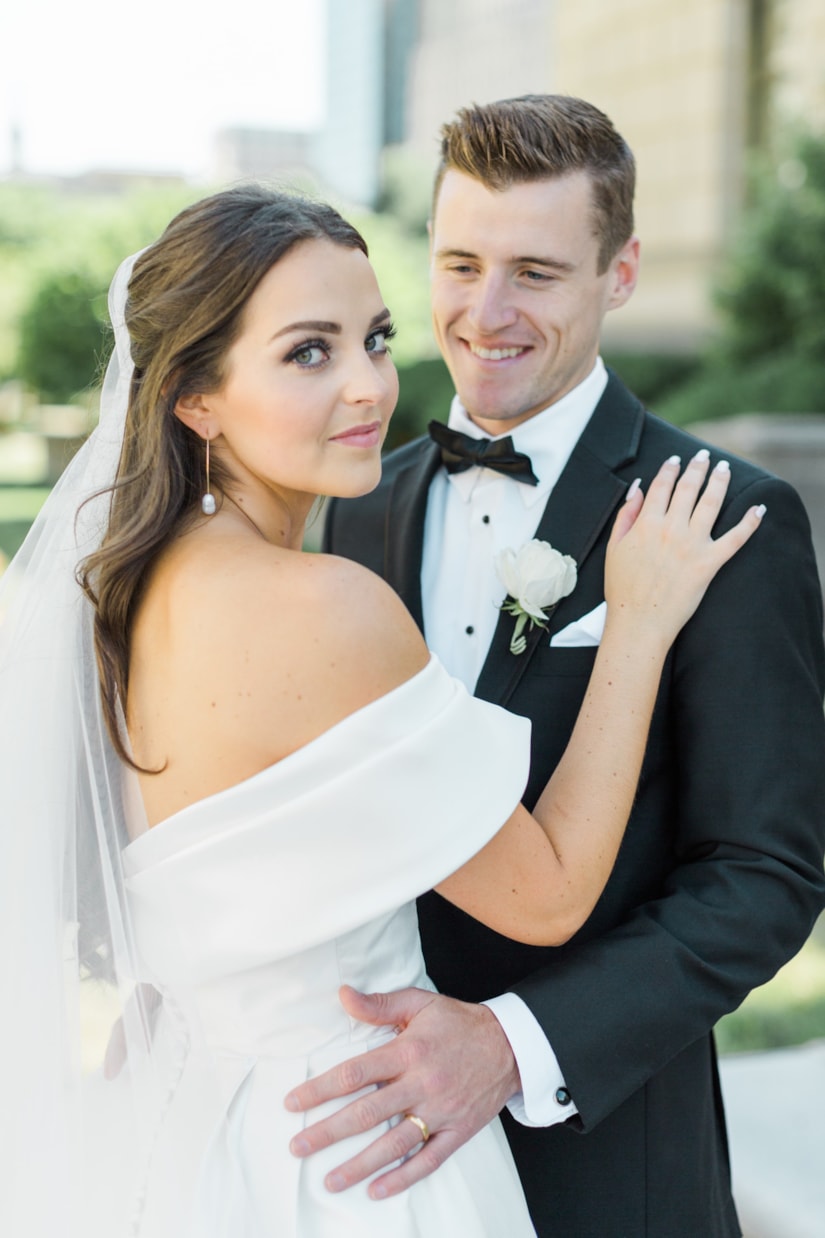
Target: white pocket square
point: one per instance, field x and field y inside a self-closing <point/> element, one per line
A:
<point x="581" y="632"/>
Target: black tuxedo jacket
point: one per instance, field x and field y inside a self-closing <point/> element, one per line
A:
<point x="719" y="878"/>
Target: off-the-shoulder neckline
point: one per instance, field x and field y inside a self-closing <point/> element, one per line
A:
<point x="432" y="666"/>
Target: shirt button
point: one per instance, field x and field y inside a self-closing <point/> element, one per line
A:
<point x="469" y="629"/>
<point x="563" y="1097"/>
<point x="485" y="519"/>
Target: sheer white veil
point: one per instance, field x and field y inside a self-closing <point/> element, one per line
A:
<point x="70" y="1139"/>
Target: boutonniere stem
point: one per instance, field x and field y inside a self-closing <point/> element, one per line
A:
<point x="536" y="578"/>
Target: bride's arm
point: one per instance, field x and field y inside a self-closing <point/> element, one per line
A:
<point x="539" y="878"/>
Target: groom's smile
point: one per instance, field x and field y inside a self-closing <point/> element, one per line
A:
<point x="502" y="353"/>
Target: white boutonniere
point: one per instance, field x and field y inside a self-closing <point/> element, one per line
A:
<point x="536" y="578"/>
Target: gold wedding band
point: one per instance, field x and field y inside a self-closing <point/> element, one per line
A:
<point x="420" y="1123"/>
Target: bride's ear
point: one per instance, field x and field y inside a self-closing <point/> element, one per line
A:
<point x="195" y="412"/>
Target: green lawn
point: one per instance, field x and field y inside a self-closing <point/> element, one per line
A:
<point x="789" y="1010"/>
<point x="21" y="502"/>
<point x="18" y="507"/>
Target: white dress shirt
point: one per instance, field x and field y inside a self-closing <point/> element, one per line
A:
<point x="471" y="516"/>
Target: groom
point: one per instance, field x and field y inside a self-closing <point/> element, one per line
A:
<point x="601" y="1049"/>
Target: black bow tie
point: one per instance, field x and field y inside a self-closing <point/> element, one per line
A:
<point x="460" y="452"/>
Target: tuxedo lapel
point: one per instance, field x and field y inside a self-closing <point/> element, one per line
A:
<point x="404" y="533"/>
<point x="581" y="503"/>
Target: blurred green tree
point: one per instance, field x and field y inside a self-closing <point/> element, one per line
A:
<point x="406" y="189"/>
<point x="425" y="392"/>
<point x="41" y="224"/>
<point x="769" y="352"/>
<point x="63" y="339"/>
<point x="772" y="298"/>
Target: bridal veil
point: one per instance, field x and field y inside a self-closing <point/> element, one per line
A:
<point x="68" y="967"/>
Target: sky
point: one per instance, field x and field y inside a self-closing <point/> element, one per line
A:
<point x="99" y="84"/>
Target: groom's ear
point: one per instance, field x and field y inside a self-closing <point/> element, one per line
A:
<point x="623" y="273"/>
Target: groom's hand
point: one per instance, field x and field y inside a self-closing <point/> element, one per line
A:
<point x="450" y="1064"/>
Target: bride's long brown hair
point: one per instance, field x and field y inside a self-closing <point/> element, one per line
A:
<point x="184" y="308"/>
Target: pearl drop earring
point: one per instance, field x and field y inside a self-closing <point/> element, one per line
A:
<point x="208" y="505"/>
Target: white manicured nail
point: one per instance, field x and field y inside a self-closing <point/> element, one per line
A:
<point x="722" y="467"/>
<point x="702" y="455"/>
<point x="632" y="489"/>
<point x="759" y="511"/>
<point x="674" y="460"/>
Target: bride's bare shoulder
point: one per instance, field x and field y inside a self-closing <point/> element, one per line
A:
<point x="263" y="615"/>
<point x="355" y="616"/>
<point x="242" y="652"/>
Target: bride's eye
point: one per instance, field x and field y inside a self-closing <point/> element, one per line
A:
<point x="310" y="354"/>
<point x="378" y="341"/>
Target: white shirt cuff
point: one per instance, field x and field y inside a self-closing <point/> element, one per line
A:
<point x="544" y="1098"/>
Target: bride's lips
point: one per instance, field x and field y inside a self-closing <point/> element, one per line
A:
<point x="360" y="436"/>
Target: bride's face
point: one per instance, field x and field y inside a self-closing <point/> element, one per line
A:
<point x="309" y="385"/>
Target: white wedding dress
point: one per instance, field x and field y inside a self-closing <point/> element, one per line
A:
<point x="251" y="908"/>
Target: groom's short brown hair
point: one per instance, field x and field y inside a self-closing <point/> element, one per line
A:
<point x="537" y="137"/>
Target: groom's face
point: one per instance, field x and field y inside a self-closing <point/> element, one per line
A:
<point x="517" y="297"/>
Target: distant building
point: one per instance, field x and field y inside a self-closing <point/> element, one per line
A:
<point x="402" y="33"/>
<point x="16" y="148"/>
<point x="473" y="51"/>
<point x="369" y="45"/>
<point x="114" y="181"/>
<point x="348" y="149"/>
<point x="368" y="51"/>
<point x="243" y="153"/>
<point x="108" y="181"/>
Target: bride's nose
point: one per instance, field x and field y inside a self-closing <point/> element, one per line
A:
<point x="366" y="383"/>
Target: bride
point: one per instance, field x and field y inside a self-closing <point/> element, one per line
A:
<point x="230" y="766"/>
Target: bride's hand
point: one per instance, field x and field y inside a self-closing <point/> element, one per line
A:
<point x="661" y="556"/>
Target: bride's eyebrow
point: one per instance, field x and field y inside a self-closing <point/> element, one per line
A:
<point x="330" y="328"/>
